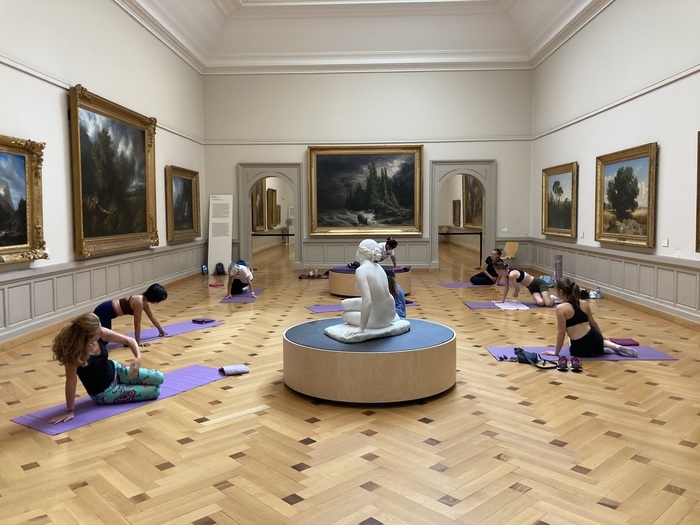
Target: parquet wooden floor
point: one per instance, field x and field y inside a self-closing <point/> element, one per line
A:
<point x="617" y="444"/>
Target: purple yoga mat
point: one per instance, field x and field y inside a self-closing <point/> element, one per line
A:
<point x="490" y="305"/>
<point x="86" y="411"/>
<point x="467" y="285"/>
<point x="646" y="353"/>
<point x="172" y="329"/>
<point x="242" y="298"/>
<point x="323" y="308"/>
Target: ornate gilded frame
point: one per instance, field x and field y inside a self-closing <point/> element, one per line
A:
<point x="257" y="203"/>
<point x="20" y="179"/>
<point x="273" y="218"/>
<point x="560" y="200"/>
<point x="627" y="227"/>
<point x="340" y="203"/>
<point x="182" y="204"/>
<point x="114" y="190"/>
<point x="473" y="198"/>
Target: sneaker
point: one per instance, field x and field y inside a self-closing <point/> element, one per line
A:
<point x="576" y="365"/>
<point x="563" y="364"/>
<point x="626" y="351"/>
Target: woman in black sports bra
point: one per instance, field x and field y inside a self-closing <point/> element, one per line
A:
<point x="537" y="287"/>
<point x="575" y="319"/>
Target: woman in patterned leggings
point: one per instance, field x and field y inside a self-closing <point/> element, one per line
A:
<point x="81" y="348"/>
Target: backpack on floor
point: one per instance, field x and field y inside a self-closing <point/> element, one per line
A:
<point x="533" y="359"/>
<point x="219" y="269"/>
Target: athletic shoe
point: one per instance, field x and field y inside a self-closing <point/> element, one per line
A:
<point x="563" y="364"/>
<point x="626" y="351"/>
<point x="576" y="365"/>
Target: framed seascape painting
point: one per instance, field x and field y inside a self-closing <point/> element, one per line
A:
<point x="473" y="197"/>
<point x="114" y="193"/>
<point x="21" y="214"/>
<point x="365" y="190"/>
<point x="626" y="196"/>
<point x="257" y="201"/>
<point x="182" y="204"/>
<point x="560" y="200"/>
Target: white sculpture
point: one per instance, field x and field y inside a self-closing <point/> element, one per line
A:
<point x="373" y="314"/>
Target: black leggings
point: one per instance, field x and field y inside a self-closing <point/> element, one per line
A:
<point x="589" y="345"/>
<point x="481" y="279"/>
<point x="237" y="287"/>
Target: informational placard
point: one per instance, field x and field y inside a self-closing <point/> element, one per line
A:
<point x="220" y="230"/>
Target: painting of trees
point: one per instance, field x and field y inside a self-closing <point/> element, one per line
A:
<point x="559" y="196"/>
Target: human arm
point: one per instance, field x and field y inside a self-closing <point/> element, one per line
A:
<point x="393" y="260"/>
<point x="506" y="281"/>
<point x="152" y="317"/>
<point x="228" y="286"/>
<point x="249" y="280"/>
<point x="111" y="336"/>
<point x="561" y="329"/>
<point x="71" y="383"/>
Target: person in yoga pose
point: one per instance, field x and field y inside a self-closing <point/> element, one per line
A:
<point x="388" y="248"/>
<point x="397" y="293"/>
<point x="537" y="287"/>
<point x="240" y="280"/>
<point x="575" y="319"/>
<point x="81" y="348"/>
<point x="488" y="274"/>
<point x="375" y="308"/>
<point x="135" y="305"/>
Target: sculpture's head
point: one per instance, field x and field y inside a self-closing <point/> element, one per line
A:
<point x="368" y="250"/>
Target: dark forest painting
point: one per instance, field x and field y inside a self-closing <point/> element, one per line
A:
<point x="113" y="176"/>
<point x="560" y="200"/>
<point x="365" y="189"/>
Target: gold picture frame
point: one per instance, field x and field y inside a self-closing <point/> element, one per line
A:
<point x="473" y="198"/>
<point x="697" y="202"/>
<point x="626" y="196"/>
<point x="114" y="191"/>
<point x="182" y="204"/>
<point x="456" y="213"/>
<point x="365" y="190"/>
<point x="21" y="213"/>
<point x="560" y="200"/>
<point x="272" y="212"/>
<point x="257" y="202"/>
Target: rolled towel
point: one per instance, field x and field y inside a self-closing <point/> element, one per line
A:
<point x="234" y="370"/>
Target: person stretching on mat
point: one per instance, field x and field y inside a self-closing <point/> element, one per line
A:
<point x="488" y="274"/>
<point x="388" y="248"/>
<point x="81" y="348"/>
<point x="575" y="319"/>
<point x="397" y="293"/>
<point x="134" y="305"/>
<point x="240" y="280"/>
<point x="538" y="288"/>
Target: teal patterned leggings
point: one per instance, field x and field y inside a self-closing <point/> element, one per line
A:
<point x="143" y="386"/>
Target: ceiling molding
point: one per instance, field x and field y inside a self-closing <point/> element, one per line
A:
<point x="193" y="34"/>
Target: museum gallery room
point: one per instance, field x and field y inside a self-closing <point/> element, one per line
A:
<point x="274" y="149"/>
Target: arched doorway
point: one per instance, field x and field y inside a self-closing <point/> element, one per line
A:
<point x="285" y="183"/>
<point x="476" y="174"/>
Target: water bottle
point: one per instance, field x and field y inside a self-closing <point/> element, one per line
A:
<point x="311" y="270"/>
<point x="597" y="293"/>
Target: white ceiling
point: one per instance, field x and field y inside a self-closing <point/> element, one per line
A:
<point x="278" y="36"/>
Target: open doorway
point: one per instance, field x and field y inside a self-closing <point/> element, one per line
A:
<point x="463" y="207"/>
<point x="268" y="215"/>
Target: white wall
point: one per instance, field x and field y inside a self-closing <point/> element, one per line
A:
<point x="46" y="47"/>
<point x="629" y="78"/>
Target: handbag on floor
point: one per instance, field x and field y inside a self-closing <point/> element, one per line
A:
<point x="533" y="359"/>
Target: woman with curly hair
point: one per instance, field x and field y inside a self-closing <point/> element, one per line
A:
<point x="81" y="348"/>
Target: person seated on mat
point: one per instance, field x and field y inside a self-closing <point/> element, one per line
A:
<point x="81" y="347"/>
<point x="538" y="288"/>
<point x="375" y="308"/>
<point x="135" y="305"/>
<point x="397" y="293"/>
<point x="488" y="274"/>
<point x="240" y="280"/>
<point x="575" y="319"/>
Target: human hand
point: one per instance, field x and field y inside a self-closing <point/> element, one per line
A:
<point x="134" y="367"/>
<point x="549" y="352"/>
<point x="144" y="344"/>
<point x="228" y="296"/>
<point x="162" y="334"/>
<point x="63" y="418"/>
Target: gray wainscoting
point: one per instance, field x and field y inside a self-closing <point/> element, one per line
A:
<point x="667" y="284"/>
<point x="34" y="298"/>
